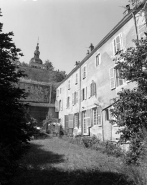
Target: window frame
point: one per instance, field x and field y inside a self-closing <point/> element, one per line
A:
<point x="96" y="113"/>
<point x="99" y="60"/>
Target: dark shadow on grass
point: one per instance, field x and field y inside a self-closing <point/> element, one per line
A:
<point x="53" y="176"/>
<point x="78" y="177"/>
<point x="39" y="156"/>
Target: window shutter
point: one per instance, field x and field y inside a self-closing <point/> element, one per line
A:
<point x="72" y="98"/>
<point x="112" y="77"/>
<point x="61" y="104"/>
<point x="114" y="46"/>
<point x="82" y="95"/>
<point x="77" y="97"/>
<point x="91" y="117"/>
<point x="99" y="115"/>
<point x="70" y="123"/>
<point x="94" y="84"/>
<point x="85" y="92"/>
<point x="83" y="72"/>
<point x="67" y="102"/>
<point x="56" y="106"/>
<point x="121" y="40"/>
<point x="90" y="89"/>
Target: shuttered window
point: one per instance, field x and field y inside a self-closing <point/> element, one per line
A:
<point x="60" y="106"/>
<point x="84" y="94"/>
<point x="56" y="106"/>
<point x="119" y="80"/>
<point x="93" y="89"/>
<point x="76" y="78"/>
<point x="117" y="43"/>
<point x="84" y="72"/>
<point x="68" y="102"/>
<point x="112" y="78"/>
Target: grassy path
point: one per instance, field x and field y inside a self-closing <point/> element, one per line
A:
<point x="57" y="162"/>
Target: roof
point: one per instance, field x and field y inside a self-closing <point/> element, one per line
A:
<point x="123" y="21"/>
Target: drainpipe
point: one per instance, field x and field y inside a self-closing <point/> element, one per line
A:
<point x="133" y="15"/>
<point x="80" y="114"/>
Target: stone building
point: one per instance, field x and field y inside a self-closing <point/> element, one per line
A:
<point x="84" y="98"/>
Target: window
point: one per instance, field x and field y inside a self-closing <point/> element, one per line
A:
<point x="117" y="43"/>
<point x="93" y="89"/>
<point x="97" y="116"/>
<point x="60" y="105"/>
<point x="115" y="78"/>
<point x="68" y="102"/>
<point x="84" y="94"/>
<point x="97" y="61"/>
<point x="76" y="80"/>
<point x="84" y="72"/>
<point x="75" y="98"/>
<point x="68" y="84"/>
<point x="57" y="92"/>
<point x="76" y="120"/>
<point x="60" y="90"/>
<point x="84" y="123"/>
<point x="107" y="114"/>
<point x="112" y="78"/>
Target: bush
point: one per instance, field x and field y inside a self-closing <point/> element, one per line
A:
<point x="113" y="149"/>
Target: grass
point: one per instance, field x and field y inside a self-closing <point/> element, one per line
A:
<point x="54" y="161"/>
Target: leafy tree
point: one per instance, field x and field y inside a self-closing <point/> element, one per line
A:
<point x="13" y="127"/>
<point x="60" y="75"/>
<point x="130" y="108"/>
<point x="48" y="65"/>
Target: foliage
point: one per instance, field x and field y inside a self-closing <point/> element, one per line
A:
<point x="59" y="76"/>
<point x="130" y="108"/>
<point x="13" y="128"/>
<point x="42" y="75"/>
<point x="136" y="3"/>
<point x="48" y="65"/>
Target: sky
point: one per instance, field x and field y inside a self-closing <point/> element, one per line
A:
<point x="65" y="27"/>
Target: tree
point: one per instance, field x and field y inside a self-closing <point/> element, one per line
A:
<point x="13" y="127"/>
<point x="60" y="75"/>
<point x="130" y="108"/>
<point x="48" y="65"/>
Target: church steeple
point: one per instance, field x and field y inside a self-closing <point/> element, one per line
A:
<point x="37" y="52"/>
<point x="36" y="61"/>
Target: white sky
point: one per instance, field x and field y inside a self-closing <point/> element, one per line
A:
<point x="65" y="27"/>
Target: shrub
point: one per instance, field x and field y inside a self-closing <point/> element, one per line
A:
<point x="113" y="149"/>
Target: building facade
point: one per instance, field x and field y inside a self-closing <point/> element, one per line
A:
<point x="84" y="98"/>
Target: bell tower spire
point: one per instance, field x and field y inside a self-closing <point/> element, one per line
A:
<point x="37" y="52"/>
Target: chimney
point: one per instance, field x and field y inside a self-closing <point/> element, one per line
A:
<point x="91" y="47"/>
<point x="127" y="10"/>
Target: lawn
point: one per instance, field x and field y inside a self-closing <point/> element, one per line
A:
<point x="54" y="161"/>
